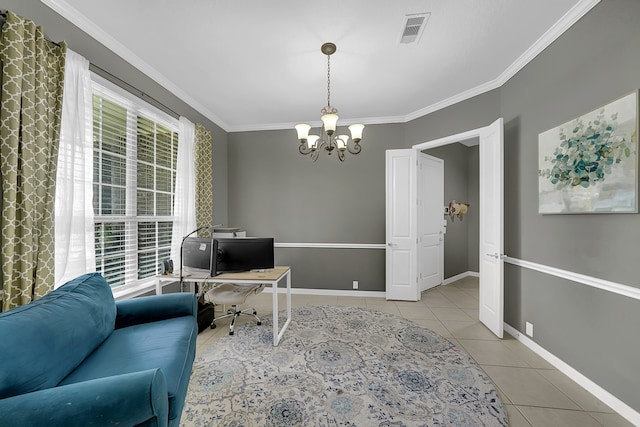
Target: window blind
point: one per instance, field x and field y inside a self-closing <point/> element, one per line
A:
<point x="135" y="157"/>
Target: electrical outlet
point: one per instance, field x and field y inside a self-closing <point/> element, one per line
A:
<point x="355" y="284"/>
<point x="529" y="329"/>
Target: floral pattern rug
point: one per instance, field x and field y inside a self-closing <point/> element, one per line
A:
<point x="339" y="366"/>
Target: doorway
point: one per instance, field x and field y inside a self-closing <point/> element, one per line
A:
<point x="461" y="187"/>
<point x="402" y="248"/>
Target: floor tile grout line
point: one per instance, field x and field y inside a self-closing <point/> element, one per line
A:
<point x="560" y="409"/>
<point x="582" y="409"/>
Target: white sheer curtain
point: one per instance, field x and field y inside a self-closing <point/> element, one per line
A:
<point x="185" y="194"/>
<point x="74" y="234"/>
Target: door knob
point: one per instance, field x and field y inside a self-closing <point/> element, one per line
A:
<point x="497" y="256"/>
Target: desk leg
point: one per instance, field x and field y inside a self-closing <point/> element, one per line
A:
<point x="158" y="286"/>
<point x="277" y="334"/>
<point x="274" y="295"/>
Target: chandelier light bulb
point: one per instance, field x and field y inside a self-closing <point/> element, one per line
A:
<point x="356" y="132"/>
<point x="312" y="141"/>
<point x="330" y="121"/>
<point x="303" y="131"/>
<point x="342" y="141"/>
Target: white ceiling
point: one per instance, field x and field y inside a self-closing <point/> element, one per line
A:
<point x="256" y="64"/>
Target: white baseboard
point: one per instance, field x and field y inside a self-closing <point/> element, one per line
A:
<point x="460" y="276"/>
<point x="609" y="399"/>
<point x="329" y="292"/>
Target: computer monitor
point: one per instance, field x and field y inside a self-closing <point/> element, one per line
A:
<point x="244" y="254"/>
<point x="197" y="255"/>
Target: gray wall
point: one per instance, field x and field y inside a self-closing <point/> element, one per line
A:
<point x="460" y="185"/>
<point x="57" y="29"/>
<point x="274" y="190"/>
<point x="595" y="62"/>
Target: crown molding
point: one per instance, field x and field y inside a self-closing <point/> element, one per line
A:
<point x="462" y="96"/>
<point x="563" y="24"/>
<point x="571" y="17"/>
<point x="317" y="124"/>
<point x="68" y="12"/>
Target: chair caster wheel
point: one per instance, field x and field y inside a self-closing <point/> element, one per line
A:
<point x="259" y="323"/>
<point x="231" y="333"/>
<point x="213" y="326"/>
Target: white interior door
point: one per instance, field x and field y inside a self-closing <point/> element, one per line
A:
<point x="401" y="233"/>
<point x="491" y="227"/>
<point x="430" y="221"/>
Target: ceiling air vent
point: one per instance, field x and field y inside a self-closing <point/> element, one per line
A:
<point x="412" y="27"/>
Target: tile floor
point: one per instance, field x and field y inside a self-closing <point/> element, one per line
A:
<point x="533" y="391"/>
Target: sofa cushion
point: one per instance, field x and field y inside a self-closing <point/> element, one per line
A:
<point x="42" y="342"/>
<point x="166" y="344"/>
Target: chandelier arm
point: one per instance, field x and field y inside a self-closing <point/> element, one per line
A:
<point x="326" y="144"/>
<point x="330" y="145"/>
<point x="304" y="148"/>
<point x="356" y="148"/>
<point x="341" y="155"/>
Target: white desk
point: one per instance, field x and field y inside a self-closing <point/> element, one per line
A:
<point x="272" y="277"/>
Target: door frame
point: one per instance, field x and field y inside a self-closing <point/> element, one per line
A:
<point x="497" y="187"/>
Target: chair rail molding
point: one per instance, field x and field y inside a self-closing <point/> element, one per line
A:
<point x="331" y="245"/>
<point x="606" y="285"/>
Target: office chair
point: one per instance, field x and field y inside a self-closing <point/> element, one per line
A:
<point x="233" y="294"/>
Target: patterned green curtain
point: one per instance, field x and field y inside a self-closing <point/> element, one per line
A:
<point x="30" y="111"/>
<point x="204" y="179"/>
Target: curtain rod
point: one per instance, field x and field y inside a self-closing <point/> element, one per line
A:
<point x="132" y="89"/>
<point x="118" y="81"/>
<point x="3" y="18"/>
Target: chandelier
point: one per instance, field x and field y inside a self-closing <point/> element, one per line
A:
<point x="313" y="144"/>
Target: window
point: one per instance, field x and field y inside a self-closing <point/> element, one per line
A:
<point x="135" y="154"/>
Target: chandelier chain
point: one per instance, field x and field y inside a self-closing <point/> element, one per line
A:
<point x="328" y="80"/>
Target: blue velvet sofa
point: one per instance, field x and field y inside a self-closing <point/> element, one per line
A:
<point x="78" y="358"/>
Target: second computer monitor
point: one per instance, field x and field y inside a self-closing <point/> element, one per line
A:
<point x="198" y="255"/>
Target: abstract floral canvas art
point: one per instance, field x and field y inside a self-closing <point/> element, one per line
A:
<point x="589" y="165"/>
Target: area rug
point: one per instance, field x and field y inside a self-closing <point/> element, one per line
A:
<point x="339" y="366"/>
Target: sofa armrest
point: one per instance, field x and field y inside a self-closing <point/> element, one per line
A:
<point x="138" y="398"/>
<point x="154" y="308"/>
